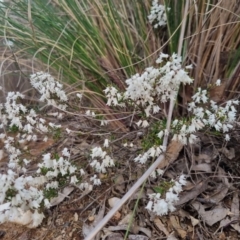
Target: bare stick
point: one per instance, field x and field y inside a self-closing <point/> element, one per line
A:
<point x="140" y="181"/>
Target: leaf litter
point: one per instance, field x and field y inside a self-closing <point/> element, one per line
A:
<point x="209" y="200"/>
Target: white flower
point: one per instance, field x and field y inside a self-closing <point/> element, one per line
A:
<point x="160" y="134"/>
<point x="139" y="123"/>
<point x="153" y="174"/>
<point x="47" y="204"/>
<point x="159" y="172"/>
<point x="227" y="137"/>
<point x="106" y="143"/>
<point x="82" y="172"/>
<point x="72" y="169"/>
<point x="171" y="197"/>
<point x="95" y="180"/>
<point x="68" y="130"/>
<point x="160" y="207"/>
<point x="145" y="124"/>
<point x="149" y="205"/>
<point x="79" y="95"/>
<point x="192" y="138"/>
<point x="37" y="218"/>
<point x="65" y="152"/>
<point x="104" y="122"/>
<point x="74" y="179"/>
<point x="45" y="84"/>
<point x="182" y="180"/>
<point x="189" y="66"/>
<point x="218" y="82"/>
<point x="157" y="15"/>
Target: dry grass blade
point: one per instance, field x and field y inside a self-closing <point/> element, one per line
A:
<point x="213" y="43"/>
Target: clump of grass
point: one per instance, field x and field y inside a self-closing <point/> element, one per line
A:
<point x="88" y="44"/>
<point x="91" y="43"/>
<point x="95" y="43"/>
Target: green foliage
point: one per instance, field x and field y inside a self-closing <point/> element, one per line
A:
<point x="174" y="19"/>
<point x="10" y="193"/>
<point x="13" y="129"/>
<point x="57" y="133"/>
<point x="151" y="139"/>
<point x="44" y="170"/>
<point x="50" y="193"/>
<point x="163" y="187"/>
<point x="85" y="40"/>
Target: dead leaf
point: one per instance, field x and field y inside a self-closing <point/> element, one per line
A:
<point x="117" y="216"/>
<point x="1" y="154"/>
<point x="91" y="218"/>
<point x="176" y="225"/>
<point x="115" y="236"/>
<point x="87" y="229"/>
<point x="84" y="193"/>
<point x="203" y="167"/>
<point x="126" y="219"/>
<point x="120" y="186"/>
<point x="235" y="211"/>
<point x="133" y="229"/>
<point x="220" y="194"/>
<point x="230" y="154"/>
<point x="222" y="176"/>
<point x="113" y="201"/>
<point x="189" y="195"/>
<point x="172" y="236"/>
<point x="172" y="153"/>
<point x="75" y="217"/>
<point x="184" y="214"/>
<point x="61" y="196"/>
<point x="194" y="221"/>
<point x="137" y="237"/>
<point x="203" y="158"/>
<point x="221" y="236"/>
<point x="160" y="226"/>
<point x="224" y="223"/>
<point x="212" y="216"/>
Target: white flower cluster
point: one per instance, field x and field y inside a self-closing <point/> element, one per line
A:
<point x="208" y="114"/>
<point x="113" y="96"/>
<point x="29" y="125"/>
<point x="161" y="206"/>
<point x="152" y="152"/>
<point x="17" y="117"/>
<point x="14" y="114"/>
<point x="105" y="160"/>
<point x="49" y="89"/>
<point x="158" y="15"/>
<point x="58" y="166"/>
<point x="19" y="194"/>
<point x="152" y="86"/>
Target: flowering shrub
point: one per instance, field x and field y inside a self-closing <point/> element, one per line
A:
<point x="157" y="15"/>
<point x="161" y="206"/>
<point x="205" y="113"/>
<point x="146" y="92"/>
<point x="23" y="196"/>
